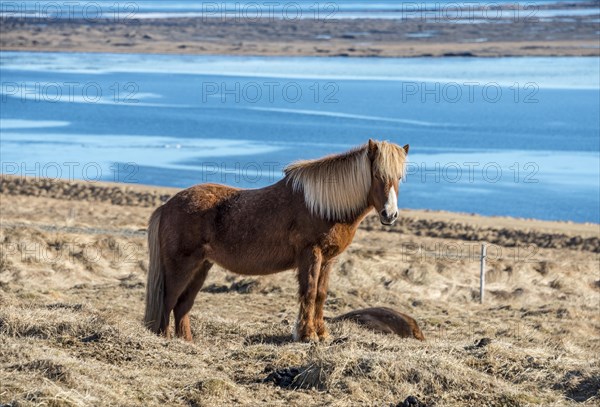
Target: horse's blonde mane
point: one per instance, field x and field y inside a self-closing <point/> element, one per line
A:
<point x="336" y="187"/>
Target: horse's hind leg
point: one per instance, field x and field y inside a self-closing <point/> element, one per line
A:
<point x="186" y="300"/>
<point x="179" y="273"/>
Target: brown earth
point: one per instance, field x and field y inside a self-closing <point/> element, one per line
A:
<point x="527" y="35"/>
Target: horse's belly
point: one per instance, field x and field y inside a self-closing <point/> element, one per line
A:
<point x="255" y="234"/>
<point x="252" y="261"/>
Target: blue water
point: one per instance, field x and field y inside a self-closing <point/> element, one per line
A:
<point x="323" y="10"/>
<point x="507" y="136"/>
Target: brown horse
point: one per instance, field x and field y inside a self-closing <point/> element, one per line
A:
<point x="303" y="221"/>
<point x="384" y="320"/>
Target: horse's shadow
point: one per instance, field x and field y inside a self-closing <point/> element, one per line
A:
<point x="278" y="340"/>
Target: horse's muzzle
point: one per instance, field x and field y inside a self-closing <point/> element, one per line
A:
<point x="386" y="218"/>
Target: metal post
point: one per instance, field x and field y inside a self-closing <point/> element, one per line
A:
<point x="482" y="274"/>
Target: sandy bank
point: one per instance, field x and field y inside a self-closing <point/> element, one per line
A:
<point x="573" y="36"/>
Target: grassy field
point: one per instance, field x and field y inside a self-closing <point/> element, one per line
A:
<point x="72" y="277"/>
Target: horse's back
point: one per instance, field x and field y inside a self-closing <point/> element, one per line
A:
<point x="187" y="218"/>
<point x="201" y="197"/>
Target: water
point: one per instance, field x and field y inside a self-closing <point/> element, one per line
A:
<point x="446" y="10"/>
<point x="504" y="136"/>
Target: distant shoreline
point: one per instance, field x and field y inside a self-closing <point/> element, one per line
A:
<point x="574" y="35"/>
<point x="506" y="53"/>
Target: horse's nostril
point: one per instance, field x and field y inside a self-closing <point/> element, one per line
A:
<point x="384" y="214"/>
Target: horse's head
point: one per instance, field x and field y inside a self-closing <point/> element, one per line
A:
<point x="387" y="163"/>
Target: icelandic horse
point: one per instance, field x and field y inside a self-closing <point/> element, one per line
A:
<point x="302" y="222"/>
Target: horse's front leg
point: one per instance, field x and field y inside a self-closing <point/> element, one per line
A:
<point x="322" y="286"/>
<point x="309" y="268"/>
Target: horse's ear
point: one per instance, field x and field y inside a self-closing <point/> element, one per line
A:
<point x="372" y="149"/>
<point x="406" y="147"/>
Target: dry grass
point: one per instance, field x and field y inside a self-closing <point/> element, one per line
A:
<point x="71" y="306"/>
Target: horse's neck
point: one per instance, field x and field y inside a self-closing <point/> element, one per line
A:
<point x="354" y="223"/>
<point x="363" y="215"/>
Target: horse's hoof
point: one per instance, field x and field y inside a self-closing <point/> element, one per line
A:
<point x="324" y="336"/>
<point x="310" y="337"/>
<point x="322" y="332"/>
<point x="304" y="334"/>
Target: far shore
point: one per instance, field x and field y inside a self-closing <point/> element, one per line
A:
<point x="553" y="36"/>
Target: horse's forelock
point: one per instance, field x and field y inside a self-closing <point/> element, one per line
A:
<point x="390" y="161"/>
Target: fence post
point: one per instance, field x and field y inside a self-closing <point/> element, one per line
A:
<point x="482" y="273"/>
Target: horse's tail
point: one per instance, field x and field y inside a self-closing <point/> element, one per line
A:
<point x="155" y="298"/>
